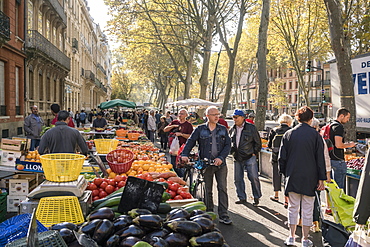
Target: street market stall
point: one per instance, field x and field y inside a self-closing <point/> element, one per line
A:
<point x="125" y="194"/>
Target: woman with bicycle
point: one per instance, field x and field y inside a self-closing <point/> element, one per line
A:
<point x="214" y="145"/>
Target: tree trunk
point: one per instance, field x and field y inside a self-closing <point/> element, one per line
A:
<point x="262" y="72"/>
<point x="189" y="72"/>
<point x="339" y="44"/>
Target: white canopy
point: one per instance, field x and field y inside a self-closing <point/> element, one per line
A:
<point x="196" y="102"/>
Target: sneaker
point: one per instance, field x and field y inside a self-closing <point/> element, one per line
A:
<point x="290" y="241"/>
<point x="307" y="243"/>
<point x="225" y="220"/>
<point x="256" y="202"/>
<point x="241" y="202"/>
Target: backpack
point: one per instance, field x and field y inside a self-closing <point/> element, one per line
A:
<point x="325" y="133"/>
<point x="276" y="141"/>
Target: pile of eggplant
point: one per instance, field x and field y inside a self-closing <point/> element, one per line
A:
<point x="186" y="226"/>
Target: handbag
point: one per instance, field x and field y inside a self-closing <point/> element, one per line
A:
<point x="359" y="238"/>
<point x="175" y="145"/>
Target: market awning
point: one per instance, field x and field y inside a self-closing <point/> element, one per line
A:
<point x="117" y="102"/>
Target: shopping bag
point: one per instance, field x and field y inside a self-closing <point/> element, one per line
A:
<point x="175" y="145"/>
<point x="359" y="238"/>
<point x="178" y="157"/>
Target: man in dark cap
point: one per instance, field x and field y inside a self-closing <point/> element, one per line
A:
<point x="61" y="138"/>
<point x="245" y="146"/>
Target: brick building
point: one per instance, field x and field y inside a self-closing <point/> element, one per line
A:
<point x="12" y="67"/>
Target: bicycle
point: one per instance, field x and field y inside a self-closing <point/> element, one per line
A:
<point x="197" y="188"/>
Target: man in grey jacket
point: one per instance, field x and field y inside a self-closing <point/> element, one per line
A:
<point x="62" y="138"/>
<point x="33" y="126"/>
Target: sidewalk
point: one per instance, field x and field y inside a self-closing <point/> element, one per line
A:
<point x="265" y="225"/>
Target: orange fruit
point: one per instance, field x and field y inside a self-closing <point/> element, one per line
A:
<point x="109" y="170"/>
<point x="151" y="169"/>
<point x="146" y="167"/>
<point x="112" y="175"/>
<point x="29" y="156"/>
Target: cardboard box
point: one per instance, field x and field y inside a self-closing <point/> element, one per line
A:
<point x="8" y="157"/>
<point x="18" y="187"/>
<point x="13" y="203"/>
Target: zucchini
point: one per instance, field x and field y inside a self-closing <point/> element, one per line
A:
<point x="212" y="214"/>
<point x="110" y="202"/>
<point x="164" y="208"/>
<point x="193" y="204"/>
<point x="98" y="202"/>
<point x="190" y="209"/>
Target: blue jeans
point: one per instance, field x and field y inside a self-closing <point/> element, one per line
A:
<point x="151" y="135"/>
<point x="251" y="167"/>
<point x="34" y="144"/>
<point x="338" y="172"/>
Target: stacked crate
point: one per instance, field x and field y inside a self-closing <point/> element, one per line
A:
<point x="18" y="191"/>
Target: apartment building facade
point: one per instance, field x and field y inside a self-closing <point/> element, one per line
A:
<point x="12" y="67"/>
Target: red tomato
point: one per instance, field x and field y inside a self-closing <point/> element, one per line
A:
<point x="169" y="182"/>
<point x="121" y="184"/>
<point x="93" y="186"/>
<point x="140" y="176"/>
<point x="103" y="185"/>
<point x="116" y="188"/>
<point x="185" y="195"/>
<point x="124" y="178"/>
<point x="95" y="193"/>
<point x="102" y="194"/>
<point x="178" y="197"/>
<point x="112" y="182"/>
<point x="173" y="186"/>
<point x="109" y="189"/>
<point x="161" y="179"/>
<point x="172" y="193"/>
<point x="181" y="189"/>
<point x="98" y="181"/>
<point x="118" y="178"/>
<point x="96" y="198"/>
<point x="149" y="178"/>
<point x="100" y="189"/>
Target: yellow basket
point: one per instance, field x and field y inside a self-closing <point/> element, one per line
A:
<point x="104" y="146"/>
<point x="58" y="209"/>
<point x="62" y="167"/>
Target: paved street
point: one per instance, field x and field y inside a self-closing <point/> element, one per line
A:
<point x="265" y="225"/>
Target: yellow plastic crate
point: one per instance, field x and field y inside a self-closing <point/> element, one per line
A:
<point x="104" y="146"/>
<point x="58" y="209"/>
<point x="62" y="167"/>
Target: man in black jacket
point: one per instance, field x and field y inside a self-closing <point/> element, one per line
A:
<point x="245" y="146"/>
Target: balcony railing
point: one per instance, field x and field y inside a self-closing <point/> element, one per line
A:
<point x="315" y="83"/>
<point x="104" y="88"/>
<point x="102" y="69"/>
<point x="90" y="75"/>
<point x="4" y="26"/>
<point x="98" y="83"/>
<point x="36" y="42"/>
<point x="59" y="9"/>
<point x="327" y="82"/>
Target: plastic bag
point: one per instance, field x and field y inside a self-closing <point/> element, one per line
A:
<point x="359" y="238"/>
<point x="175" y="145"/>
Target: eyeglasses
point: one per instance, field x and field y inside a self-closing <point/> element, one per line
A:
<point x="214" y="115"/>
<point x="236" y="116"/>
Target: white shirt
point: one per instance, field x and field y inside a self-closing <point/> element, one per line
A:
<point x="151" y="123"/>
<point x="239" y="133"/>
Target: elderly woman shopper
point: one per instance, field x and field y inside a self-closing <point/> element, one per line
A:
<point x="274" y="140"/>
<point x="301" y="160"/>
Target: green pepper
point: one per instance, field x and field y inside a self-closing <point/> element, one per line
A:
<point x="166" y="196"/>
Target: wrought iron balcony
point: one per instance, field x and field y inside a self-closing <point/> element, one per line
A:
<point x="4" y="26"/>
<point x="36" y="43"/>
<point x="103" y="88"/>
<point x="102" y="69"/>
<point x="90" y="75"/>
<point x="327" y="82"/>
<point x="98" y="83"/>
<point x="59" y="10"/>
